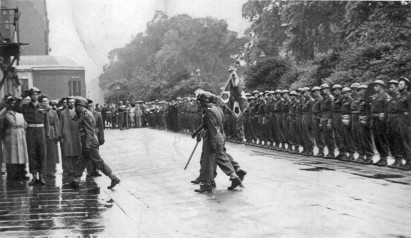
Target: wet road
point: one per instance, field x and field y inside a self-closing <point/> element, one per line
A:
<point x="284" y="196"/>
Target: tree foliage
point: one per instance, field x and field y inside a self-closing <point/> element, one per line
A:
<point x="162" y="62"/>
<point x="335" y="42"/>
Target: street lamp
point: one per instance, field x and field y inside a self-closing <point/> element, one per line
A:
<point x="118" y="93"/>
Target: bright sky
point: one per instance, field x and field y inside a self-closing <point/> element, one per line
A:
<point x="87" y="30"/>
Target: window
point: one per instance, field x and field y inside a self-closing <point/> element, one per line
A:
<point x="24" y="84"/>
<point x="75" y="86"/>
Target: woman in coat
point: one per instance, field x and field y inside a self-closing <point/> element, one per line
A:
<point x="53" y="135"/>
<point x="13" y="136"/>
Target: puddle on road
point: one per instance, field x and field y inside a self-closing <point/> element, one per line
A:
<point x="317" y="169"/>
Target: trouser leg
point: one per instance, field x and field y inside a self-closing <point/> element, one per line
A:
<point x="380" y="138"/>
<point x="356" y="135"/>
<point x="319" y="141"/>
<point x="328" y="136"/>
<point x="338" y="134"/>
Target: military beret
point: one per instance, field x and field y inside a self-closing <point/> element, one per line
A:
<point x="346" y="89"/>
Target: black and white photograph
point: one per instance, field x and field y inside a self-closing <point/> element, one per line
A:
<point x="205" y="118"/>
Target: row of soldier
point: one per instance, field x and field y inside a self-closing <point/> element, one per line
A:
<point x="349" y="119"/>
<point x="297" y="121"/>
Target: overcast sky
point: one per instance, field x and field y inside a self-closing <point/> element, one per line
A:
<point x="86" y="30"/>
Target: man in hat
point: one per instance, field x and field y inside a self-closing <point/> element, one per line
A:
<point x="348" y="145"/>
<point x="307" y="123"/>
<point x="299" y="120"/>
<point x="336" y="119"/>
<point x="70" y="138"/>
<point x="404" y="107"/>
<point x="365" y="128"/>
<point x="267" y="132"/>
<point x="278" y="113"/>
<point x="316" y="112"/>
<point x="292" y="126"/>
<point x="248" y="121"/>
<point x="379" y="107"/>
<point x="327" y="120"/>
<point x="35" y="115"/>
<point x="90" y="146"/>
<point x="355" y="123"/>
<point x="213" y="145"/>
<point x="92" y="170"/>
<point x="285" y="119"/>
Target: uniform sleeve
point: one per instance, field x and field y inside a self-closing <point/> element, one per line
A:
<point x="100" y="126"/>
<point x="211" y="125"/>
<point x="89" y="129"/>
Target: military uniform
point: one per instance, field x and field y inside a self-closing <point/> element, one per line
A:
<point x="365" y="131"/>
<point x="379" y="106"/>
<point x="278" y="112"/>
<point x="348" y="145"/>
<point x="285" y="124"/>
<point x="99" y="129"/>
<point x="299" y="124"/>
<point x="316" y="121"/>
<point x="326" y="124"/>
<point x="90" y="149"/>
<point x="307" y="126"/>
<point x="337" y="122"/>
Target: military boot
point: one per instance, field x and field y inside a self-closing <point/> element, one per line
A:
<point x="114" y="182"/>
<point x="320" y="153"/>
<point x="235" y="182"/>
<point x="204" y="188"/>
<point x="351" y="157"/>
<point x="360" y="159"/>
<point x="241" y="174"/>
<point x="368" y="160"/>
<point x="397" y="164"/>
<point x="382" y="162"/>
<point x="406" y="166"/>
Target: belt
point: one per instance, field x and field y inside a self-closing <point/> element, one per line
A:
<point x="35" y="125"/>
<point x="16" y="127"/>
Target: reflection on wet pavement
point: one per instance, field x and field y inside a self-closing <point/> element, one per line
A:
<point x="50" y="210"/>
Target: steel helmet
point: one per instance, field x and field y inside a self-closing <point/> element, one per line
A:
<point x="81" y="102"/>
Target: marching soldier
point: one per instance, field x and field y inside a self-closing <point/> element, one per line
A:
<point x="378" y="109"/>
<point x="393" y="124"/>
<point x="316" y="112"/>
<point x="92" y="170"/>
<point x="90" y="146"/>
<point x="365" y="128"/>
<point x="260" y="113"/>
<point x="267" y="121"/>
<point x="327" y="120"/>
<point x="255" y="125"/>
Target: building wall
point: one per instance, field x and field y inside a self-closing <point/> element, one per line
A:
<point x="33" y="23"/>
<point x="56" y="83"/>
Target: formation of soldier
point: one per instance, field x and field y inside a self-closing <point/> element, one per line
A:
<point x="354" y="120"/>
